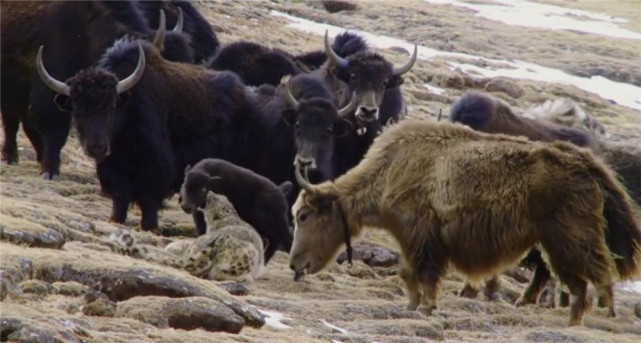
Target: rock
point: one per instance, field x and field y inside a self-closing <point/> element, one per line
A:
<point x="7" y="285"/>
<point x="372" y="254"/>
<point x="19" y="330"/>
<point x="333" y="6"/>
<point x="234" y="288"/>
<point x="550" y="336"/>
<point x="185" y="313"/>
<point x="35" y="237"/>
<point x="637" y="310"/>
<point x="36" y="287"/>
<point x="102" y="307"/>
<point x="505" y="86"/>
<point x="70" y="288"/>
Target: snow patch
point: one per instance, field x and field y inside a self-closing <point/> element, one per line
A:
<point x="631" y="286"/>
<point x="334" y="327"/>
<point x="434" y="89"/>
<point x="532" y="14"/>
<point x="622" y="93"/>
<point x="274" y="319"/>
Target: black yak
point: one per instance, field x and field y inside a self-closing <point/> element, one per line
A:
<point x="161" y="116"/>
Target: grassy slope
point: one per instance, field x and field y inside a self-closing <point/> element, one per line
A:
<point x="366" y="302"/>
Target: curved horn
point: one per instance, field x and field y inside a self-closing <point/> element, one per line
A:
<point x="180" y="21"/>
<point x="349" y="108"/>
<point x="52" y="83"/>
<point x="398" y="71"/>
<point x="131" y="80"/>
<point x="304" y="184"/>
<point x="331" y="54"/>
<point x="159" y="38"/>
<point x="290" y="97"/>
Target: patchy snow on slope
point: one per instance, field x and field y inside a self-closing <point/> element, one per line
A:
<point x="532" y="14"/>
<point x="274" y="319"/>
<point x="622" y="93"/>
<point x="434" y="89"/>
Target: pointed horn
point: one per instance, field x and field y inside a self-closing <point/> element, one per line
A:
<point x="131" y="80"/>
<point x="180" y="21"/>
<point x="404" y="69"/>
<point x="349" y="108"/>
<point x="304" y="184"/>
<point x="159" y="38"/>
<point x="331" y="54"/>
<point x="59" y="87"/>
<point x="290" y="97"/>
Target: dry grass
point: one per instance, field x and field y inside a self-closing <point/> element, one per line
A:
<point x="367" y="302"/>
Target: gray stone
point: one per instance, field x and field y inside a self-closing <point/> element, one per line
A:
<point x="372" y="254"/>
<point x="46" y="238"/>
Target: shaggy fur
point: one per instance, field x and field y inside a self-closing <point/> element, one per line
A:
<point x="203" y="40"/>
<point x="566" y="112"/>
<point x="258" y="201"/>
<point x="70" y="45"/>
<point x="415" y="183"/>
<point x="492" y="115"/>
<point x="176" y="115"/>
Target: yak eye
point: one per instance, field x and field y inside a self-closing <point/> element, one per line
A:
<point x="352" y="75"/>
<point x="297" y="125"/>
<point x="302" y="217"/>
<point x="329" y="130"/>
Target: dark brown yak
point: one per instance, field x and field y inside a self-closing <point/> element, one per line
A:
<point x="455" y="197"/>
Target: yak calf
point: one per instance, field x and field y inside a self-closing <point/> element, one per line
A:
<point x="455" y="197"/>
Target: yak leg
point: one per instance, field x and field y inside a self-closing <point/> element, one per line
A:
<point x="149" y="208"/>
<point x="492" y="286"/>
<point x="199" y="222"/>
<point x="11" y="124"/>
<point x="413" y="292"/>
<point x="531" y="293"/>
<point x="429" y="283"/>
<point x="468" y="291"/>
<point x="119" y="206"/>
<point x="606" y="299"/>
<point x="578" y="291"/>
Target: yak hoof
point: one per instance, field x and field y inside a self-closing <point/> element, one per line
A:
<point x="468" y="292"/>
<point x="50" y="176"/>
<point x="412" y="307"/>
<point x="426" y="309"/>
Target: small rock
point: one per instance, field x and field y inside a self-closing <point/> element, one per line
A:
<point x="7" y="284"/>
<point x="234" y="288"/>
<point x="372" y="254"/>
<point x="184" y="313"/>
<point x="36" y="287"/>
<point x="333" y="6"/>
<point x="101" y="307"/>
<point x="505" y="86"/>
<point x="637" y="310"/>
<point x="70" y="288"/>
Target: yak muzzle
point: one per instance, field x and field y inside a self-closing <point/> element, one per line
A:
<point x="98" y="151"/>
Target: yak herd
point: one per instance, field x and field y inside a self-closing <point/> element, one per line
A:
<point x="329" y="141"/>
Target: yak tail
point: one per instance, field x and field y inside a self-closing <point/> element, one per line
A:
<point x="623" y="235"/>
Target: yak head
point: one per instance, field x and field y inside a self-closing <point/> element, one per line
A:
<point x="368" y="75"/>
<point x="316" y="123"/>
<point x="193" y="192"/>
<point x="319" y="228"/>
<point x="93" y="97"/>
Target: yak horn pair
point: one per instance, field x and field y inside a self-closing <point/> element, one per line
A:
<point x="343" y="63"/>
<point x="343" y="112"/>
<point x="159" y="38"/>
<point x="62" y="88"/>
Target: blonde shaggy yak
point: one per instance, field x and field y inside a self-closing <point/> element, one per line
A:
<point x="477" y="202"/>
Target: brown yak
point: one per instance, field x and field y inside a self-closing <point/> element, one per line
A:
<point x="477" y="202"/>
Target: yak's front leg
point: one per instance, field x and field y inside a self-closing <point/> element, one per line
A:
<point x="149" y="208"/>
<point x="413" y="292"/>
<point x="429" y="285"/>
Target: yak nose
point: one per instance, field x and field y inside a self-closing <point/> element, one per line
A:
<point x="367" y="113"/>
<point x="307" y="162"/>
<point x="97" y="150"/>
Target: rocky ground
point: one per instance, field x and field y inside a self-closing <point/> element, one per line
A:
<point x="62" y="279"/>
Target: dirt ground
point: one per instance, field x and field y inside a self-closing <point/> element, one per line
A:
<point x="55" y="242"/>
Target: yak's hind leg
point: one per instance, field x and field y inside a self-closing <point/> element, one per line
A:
<point x="531" y="293"/>
<point x="578" y="291"/>
<point x="413" y="292"/>
<point x="468" y="291"/>
<point x="606" y="299"/>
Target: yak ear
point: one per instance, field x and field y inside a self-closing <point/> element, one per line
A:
<point x="342" y="128"/>
<point x="286" y="187"/>
<point x="123" y="98"/>
<point x="215" y="183"/>
<point x="289" y="116"/>
<point x="394" y="82"/>
<point x="187" y="168"/>
<point x="63" y="102"/>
